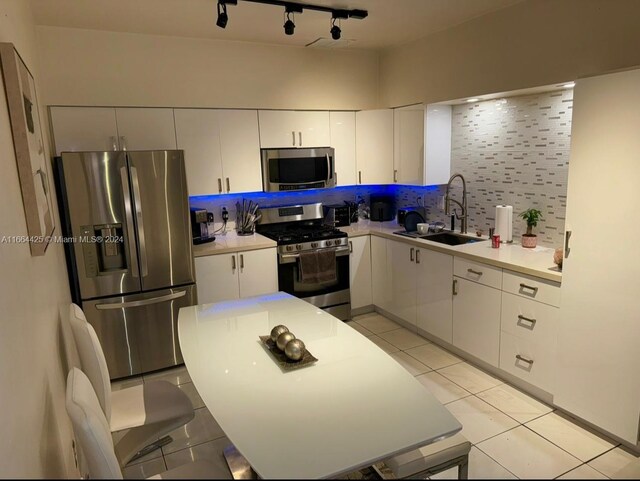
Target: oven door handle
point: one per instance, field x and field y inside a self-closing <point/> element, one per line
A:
<point x="290" y="258"/>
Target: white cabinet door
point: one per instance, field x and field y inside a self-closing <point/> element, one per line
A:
<point x="197" y="134"/>
<point x="598" y="354"/>
<point x="343" y="140"/>
<point x="240" y="150"/>
<point x="278" y="128"/>
<point x="437" y="168"/>
<point x="402" y="274"/>
<point x="77" y="129"/>
<point x="313" y="129"/>
<point x="360" y="271"/>
<point x="217" y="278"/>
<point x="258" y="272"/>
<point x="434" y="293"/>
<point x="380" y="278"/>
<point x="408" y="145"/>
<point x="146" y="129"/>
<point x="476" y="320"/>
<point x="374" y="146"/>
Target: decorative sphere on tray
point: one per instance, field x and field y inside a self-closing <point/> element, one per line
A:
<point x="283" y="339"/>
<point x="276" y="331"/>
<point x="294" y="350"/>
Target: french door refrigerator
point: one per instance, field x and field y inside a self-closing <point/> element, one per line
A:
<point x="130" y="263"/>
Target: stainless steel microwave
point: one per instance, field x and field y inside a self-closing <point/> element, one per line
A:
<point x="297" y="169"/>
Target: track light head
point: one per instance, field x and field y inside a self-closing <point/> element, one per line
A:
<point x="289" y="26"/>
<point x="223" y="18"/>
<point x="335" y="30"/>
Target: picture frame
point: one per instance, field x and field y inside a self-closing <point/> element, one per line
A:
<point x="32" y="162"/>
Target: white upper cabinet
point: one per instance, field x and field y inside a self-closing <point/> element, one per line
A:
<point x="197" y="133"/>
<point x="437" y="161"/>
<point x="374" y="146"/>
<point x="294" y="128"/>
<point x="146" y="129"/>
<point x="221" y="150"/>
<point x="240" y="150"/>
<point x="343" y="140"/>
<point x="408" y="145"/>
<point x="598" y="356"/>
<point x="77" y="129"/>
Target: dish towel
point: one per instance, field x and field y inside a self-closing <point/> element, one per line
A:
<point x="317" y="266"/>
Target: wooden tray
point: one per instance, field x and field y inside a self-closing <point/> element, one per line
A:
<point x="282" y="360"/>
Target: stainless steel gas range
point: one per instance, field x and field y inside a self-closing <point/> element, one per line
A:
<point x="304" y="241"/>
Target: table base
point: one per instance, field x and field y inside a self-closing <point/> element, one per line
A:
<point x="238" y="464"/>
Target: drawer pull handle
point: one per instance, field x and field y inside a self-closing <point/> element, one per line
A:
<point x="454" y="287"/>
<point x="417" y="256"/>
<point x="477" y="273"/>
<point x="350" y="246"/>
<point x="528" y="319"/>
<point x="411" y="254"/>
<point x="524" y="359"/>
<point x="525" y="286"/>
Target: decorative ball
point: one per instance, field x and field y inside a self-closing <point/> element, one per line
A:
<point x="276" y="331"/>
<point x="558" y="256"/>
<point x="294" y="350"/>
<point x="283" y="339"/>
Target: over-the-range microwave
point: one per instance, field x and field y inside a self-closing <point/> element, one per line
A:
<point x="297" y="169"/>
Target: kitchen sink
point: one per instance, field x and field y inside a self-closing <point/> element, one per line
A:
<point x="450" y="238"/>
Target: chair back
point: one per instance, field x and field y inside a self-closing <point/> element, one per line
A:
<point x="92" y="359"/>
<point x="91" y="427"/>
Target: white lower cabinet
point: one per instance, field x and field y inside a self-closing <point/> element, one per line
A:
<point x="530" y="361"/>
<point x="380" y="278"/>
<point x="224" y="277"/>
<point x="360" y="271"/>
<point x="434" y="294"/>
<point x="402" y="274"/>
<point x="476" y="319"/>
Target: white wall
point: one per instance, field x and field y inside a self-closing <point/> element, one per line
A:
<point x="90" y="67"/>
<point x="35" y="434"/>
<point x="533" y="43"/>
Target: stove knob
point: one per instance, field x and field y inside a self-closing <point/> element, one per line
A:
<point x="314" y="244"/>
<point x="289" y="248"/>
<point x="329" y="243"/>
<point x="299" y="247"/>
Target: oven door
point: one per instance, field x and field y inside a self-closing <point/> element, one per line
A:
<point x="297" y="169"/>
<point x="333" y="296"/>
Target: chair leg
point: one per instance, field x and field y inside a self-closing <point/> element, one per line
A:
<point x="463" y="468"/>
<point x="151" y="448"/>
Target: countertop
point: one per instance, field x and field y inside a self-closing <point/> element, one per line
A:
<point x="536" y="262"/>
<point x="232" y="242"/>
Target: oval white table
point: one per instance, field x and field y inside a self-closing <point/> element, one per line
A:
<point x="354" y="407"/>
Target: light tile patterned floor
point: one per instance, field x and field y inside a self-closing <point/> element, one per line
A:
<point x="513" y="434"/>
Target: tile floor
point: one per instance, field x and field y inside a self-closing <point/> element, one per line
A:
<point x="513" y="434"/>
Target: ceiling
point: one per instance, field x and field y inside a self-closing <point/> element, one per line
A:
<point x="390" y="22"/>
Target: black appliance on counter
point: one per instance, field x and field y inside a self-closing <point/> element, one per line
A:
<point x="340" y="213"/>
<point x="201" y="219"/>
<point x="382" y="207"/>
<point x="299" y="231"/>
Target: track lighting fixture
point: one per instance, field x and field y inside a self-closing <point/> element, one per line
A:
<point x="290" y="9"/>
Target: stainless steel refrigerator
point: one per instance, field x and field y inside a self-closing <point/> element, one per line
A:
<point x="131" y="264"/>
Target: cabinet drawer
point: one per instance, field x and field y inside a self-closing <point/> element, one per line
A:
<point x="527" y="360"/>
<point x="529" y="319"/>
<point x="532" y="288"/>
<point x="477" y="272"/>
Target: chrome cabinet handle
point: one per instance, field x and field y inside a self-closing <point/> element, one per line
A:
<point x="528" y="319"/>
<point x="567" y="249"/>
<point x="454" y="287"/>
<point x="359" y="177"/>
<point x="524" y="359"/>
<point x="233" y="263"/>
<point x="123" y="143"/>
<point x="300" y="139"/>
<point x="395" y="176"/>
<point x="417" y="256"/>
<point x="532" y="288"/>
<point x="128" y="214"/>
<point x="114" y="143"/>
<point x="293" y="136"/>
<point x="228" y="186"/>
<point x="144" y="270"/>
<point x="219" y="185"/>
<point x="241" y="261"/>
<point x="477" y="273"/>
<point x="350" y="246"/>
<point x="411" y="254"/>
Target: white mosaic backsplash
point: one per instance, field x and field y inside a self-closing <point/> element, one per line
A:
<point x="515" y="151"/>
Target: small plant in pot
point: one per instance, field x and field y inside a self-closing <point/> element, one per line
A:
<point x="531" y="217"/>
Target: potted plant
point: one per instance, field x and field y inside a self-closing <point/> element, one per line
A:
<point x="531" y="217"/>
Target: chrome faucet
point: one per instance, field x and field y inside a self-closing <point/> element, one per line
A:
<point x="447" y="203"/>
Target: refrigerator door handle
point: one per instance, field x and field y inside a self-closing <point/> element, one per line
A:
<point x="131" y="236"/>
<point x="141" y="302"/>
<point x="144" y="269"/>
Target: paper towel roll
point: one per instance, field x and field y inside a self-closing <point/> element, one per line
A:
<point x="504" y="222"/>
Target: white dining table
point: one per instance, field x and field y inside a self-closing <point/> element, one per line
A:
<point x="354" y="407"/>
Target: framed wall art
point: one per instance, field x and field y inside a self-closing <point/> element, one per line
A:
<point x="33" y="165"/>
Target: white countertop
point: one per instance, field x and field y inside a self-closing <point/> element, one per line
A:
<point x="232" y="242"/>
<point x="536" y="262"/>
<point x="319" y="421"/>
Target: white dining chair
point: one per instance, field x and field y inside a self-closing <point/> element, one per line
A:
<point x="148" y="411"/>
<point x="93" y="434"/>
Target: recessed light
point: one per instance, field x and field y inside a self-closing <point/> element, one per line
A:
<point x="472" y="100"/>
<point x="570" y="85"/>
